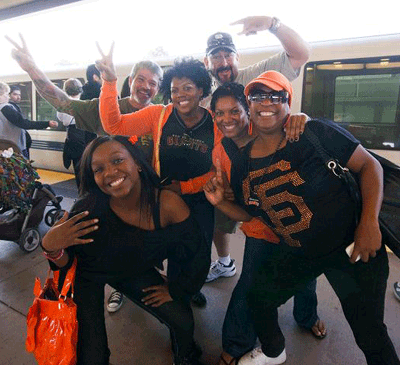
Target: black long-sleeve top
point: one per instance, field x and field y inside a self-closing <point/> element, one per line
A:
<point x="16" y="118"/>
<point x="120" y="250"/>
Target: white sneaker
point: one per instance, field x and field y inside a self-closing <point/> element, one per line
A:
<point x="217" y="270"/>
<point x="257" y="357"/>
<point x="115" y="301"/>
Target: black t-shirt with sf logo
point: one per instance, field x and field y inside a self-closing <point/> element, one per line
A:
<point x="186" y="153"/>
<point x="296" y="195"/>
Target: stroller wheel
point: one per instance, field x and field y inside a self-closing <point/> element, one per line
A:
<point x="29" y="240"/>
<point x="53" y="215"/>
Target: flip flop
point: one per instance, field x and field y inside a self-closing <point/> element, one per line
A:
<point x="315" y="331"/>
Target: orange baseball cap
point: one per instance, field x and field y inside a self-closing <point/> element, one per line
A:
<point x="272" y="79"/>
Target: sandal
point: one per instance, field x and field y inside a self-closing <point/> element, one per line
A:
<point x="234" y="360"/>
<point x="317" y="331"/>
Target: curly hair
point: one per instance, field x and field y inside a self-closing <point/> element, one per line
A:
<point x="232" y="89"/>
<point x="190" y="68"/>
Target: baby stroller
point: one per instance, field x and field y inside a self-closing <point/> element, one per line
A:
<point x="23" y="200"/>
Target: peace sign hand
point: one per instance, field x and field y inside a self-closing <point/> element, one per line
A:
<point x="105" y="65"/>
<point x="67" y="232"/>
<point x="21" y="54"/>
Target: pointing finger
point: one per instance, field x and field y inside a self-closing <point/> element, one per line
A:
<point x="241" y="21"/>
<point x="218" y="169"/>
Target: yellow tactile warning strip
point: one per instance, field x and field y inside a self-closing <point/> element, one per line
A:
<point x="52" y="177"/>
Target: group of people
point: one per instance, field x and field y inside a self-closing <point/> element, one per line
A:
<point x="150" y="183"/>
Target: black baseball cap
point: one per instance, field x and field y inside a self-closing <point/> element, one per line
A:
<point x="218" y="41"/>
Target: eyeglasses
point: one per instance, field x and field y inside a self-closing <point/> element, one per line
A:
<point x="274" y="97"/>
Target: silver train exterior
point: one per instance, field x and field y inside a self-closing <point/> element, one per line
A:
<point x="355" y="82"/>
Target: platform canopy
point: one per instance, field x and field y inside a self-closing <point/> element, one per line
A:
<point x="15" y="8"/>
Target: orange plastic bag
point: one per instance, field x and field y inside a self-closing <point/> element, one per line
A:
<point x="52" y="324"/>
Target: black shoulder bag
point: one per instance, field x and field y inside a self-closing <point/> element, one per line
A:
<point x="389" y="216"/>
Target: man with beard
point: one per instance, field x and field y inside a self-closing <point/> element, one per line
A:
<point x="222" y="61"/>
<point x="144" y="82"/>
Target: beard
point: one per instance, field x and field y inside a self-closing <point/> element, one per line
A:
<point x="222" y="69"/>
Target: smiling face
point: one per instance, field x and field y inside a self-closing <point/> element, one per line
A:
<point x="231" y="118"/>
<point x="144" y="86"/>
<point x="185" y="95"/>
<point x="268" y="118"/>
<point x="115" y="171"/>
<point x="223" y="64"/>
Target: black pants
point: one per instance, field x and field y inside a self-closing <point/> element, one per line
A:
<point x="238" y="333"/>
<point x="203" y="213"/>
<point x="360" y="287"/>
<point x="92" y="336"/>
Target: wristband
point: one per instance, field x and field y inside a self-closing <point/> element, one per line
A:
<point x="54" y="258"/>
<point x="276" y="23"/>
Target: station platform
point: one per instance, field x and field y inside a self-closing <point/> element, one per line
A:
<point x="135" y="337"/>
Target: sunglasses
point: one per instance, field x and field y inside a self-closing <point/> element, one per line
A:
<point x="274" y="97"/>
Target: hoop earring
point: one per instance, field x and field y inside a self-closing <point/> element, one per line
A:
<point x="140" y="169"/>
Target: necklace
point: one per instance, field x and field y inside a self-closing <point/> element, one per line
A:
<point x="254" y="198"/>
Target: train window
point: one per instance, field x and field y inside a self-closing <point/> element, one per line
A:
<point x="362" y="95"/>
<point x="26" y="98"/>
<point x="45" y="111"/>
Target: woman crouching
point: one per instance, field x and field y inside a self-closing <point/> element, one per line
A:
<point x="130" y="226"/>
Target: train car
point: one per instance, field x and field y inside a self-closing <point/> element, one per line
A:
<point x="355" y="82"/>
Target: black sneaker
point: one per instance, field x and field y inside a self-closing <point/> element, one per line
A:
<point x="192" y="358"/>
<point x="396" y="290"/>
<point x="115" y="301"/>
<point x="199" y="300"/>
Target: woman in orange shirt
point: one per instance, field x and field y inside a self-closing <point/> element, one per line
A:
<point x="183" y="132"/>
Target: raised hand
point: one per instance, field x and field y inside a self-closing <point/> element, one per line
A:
<point x="254" y="24"/>
<point x="67" y="232"/>
<point x="21" y="54"/>
<point x="105" y="65"/>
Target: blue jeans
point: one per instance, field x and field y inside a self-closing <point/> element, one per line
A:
<point x="238" y="332"/>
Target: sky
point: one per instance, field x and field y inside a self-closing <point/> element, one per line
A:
<point x="65" y="37"/>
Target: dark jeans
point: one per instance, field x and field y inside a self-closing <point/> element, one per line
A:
<point x="360" y="288"/>
<point x="238" y="333"/>
<point x="92" y="336"/>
